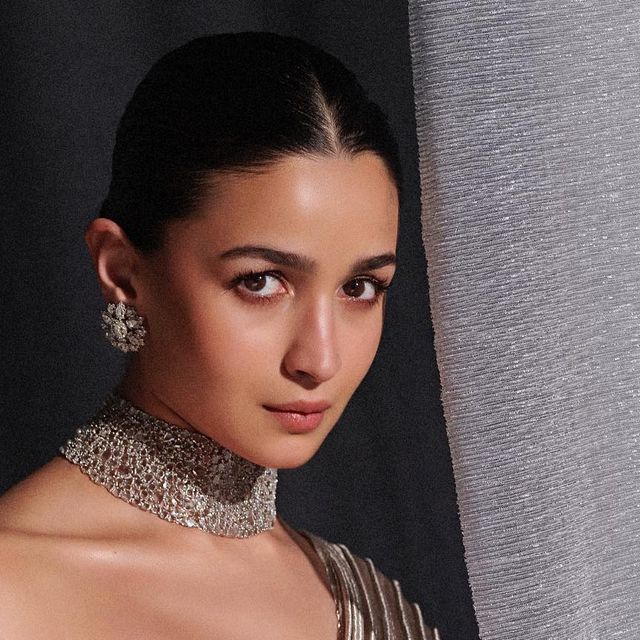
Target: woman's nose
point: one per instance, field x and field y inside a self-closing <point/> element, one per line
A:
<point x="313" y="351"/>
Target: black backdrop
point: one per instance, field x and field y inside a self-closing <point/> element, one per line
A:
<point x="382" y="483"/>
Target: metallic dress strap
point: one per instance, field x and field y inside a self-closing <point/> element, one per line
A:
<point x="370" y="605"/>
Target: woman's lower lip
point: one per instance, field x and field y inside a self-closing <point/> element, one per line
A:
<point x="297" y="422"/>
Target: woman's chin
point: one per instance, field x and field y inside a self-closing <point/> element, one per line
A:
<point x="288" y="455"/>
<point x="293" y="463"/>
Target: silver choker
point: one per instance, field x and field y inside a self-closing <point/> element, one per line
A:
<point x="180" y="475"/>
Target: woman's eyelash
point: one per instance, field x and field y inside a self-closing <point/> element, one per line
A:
<point x="380" y="285"/>
<point x="247" y="275"/>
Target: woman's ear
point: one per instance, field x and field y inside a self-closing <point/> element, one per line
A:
<point x="114" y="258"/>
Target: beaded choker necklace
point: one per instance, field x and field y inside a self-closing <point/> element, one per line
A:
<point x="179" y="475"/>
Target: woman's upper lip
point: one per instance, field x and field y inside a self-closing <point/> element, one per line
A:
<point x="302" y="406"/>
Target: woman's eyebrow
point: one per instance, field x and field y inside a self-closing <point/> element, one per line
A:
<point x="303" y="263"/>
<point x="292" y="260"/>
<point x="375" y="262"/>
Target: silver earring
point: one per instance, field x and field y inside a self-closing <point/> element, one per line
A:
<point x="123" y="326"/>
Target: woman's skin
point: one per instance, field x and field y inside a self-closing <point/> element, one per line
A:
<point x="77" y="562"/>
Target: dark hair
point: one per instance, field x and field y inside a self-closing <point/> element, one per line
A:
<point x="232" y="102"/>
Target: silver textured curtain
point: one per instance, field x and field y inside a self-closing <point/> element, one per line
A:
<point x="528" y="121"/>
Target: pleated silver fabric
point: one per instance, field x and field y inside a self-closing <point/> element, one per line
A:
<point x="369" y="605"/>
<point x="528" y="117"/>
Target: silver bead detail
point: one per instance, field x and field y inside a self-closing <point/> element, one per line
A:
<point x="124" y="327"/>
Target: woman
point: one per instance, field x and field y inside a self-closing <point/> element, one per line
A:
<point x="243" y="250"/>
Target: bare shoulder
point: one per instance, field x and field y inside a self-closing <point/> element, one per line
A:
<point x="32" y="514"/>
<point x="57" y="502"/>
<point x="51" y="491"/>
<point x="57" y="530"/>
<point x="27" y="563"/>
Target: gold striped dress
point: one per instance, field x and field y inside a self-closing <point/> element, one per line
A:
<point x="369" y="606"/>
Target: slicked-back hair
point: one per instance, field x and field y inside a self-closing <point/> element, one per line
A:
<point x="230" y="103"/>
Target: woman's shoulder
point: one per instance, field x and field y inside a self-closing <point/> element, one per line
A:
<point x="49" y="521"/>
<point x="28" y="557"/>
<point x="369" y="599"/>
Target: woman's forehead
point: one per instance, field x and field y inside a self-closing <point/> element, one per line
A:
<point x="299" y="193"/>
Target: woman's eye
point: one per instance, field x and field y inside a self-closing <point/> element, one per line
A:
<point x="259" y="285"/>
<point x="364" y="289"/>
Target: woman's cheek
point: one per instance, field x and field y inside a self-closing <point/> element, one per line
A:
<point x="234" y="340"/>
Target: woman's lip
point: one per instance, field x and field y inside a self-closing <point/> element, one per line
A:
<point x="297" y="422"/>
<point x="302" y="406"/>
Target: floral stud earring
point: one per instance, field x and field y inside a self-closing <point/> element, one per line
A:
<point x="123" y="326"/>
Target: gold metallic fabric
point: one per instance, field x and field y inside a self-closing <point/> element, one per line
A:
<point x="369" y="605"/>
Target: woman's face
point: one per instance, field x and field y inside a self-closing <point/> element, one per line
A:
<point x="268" y="297"/>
